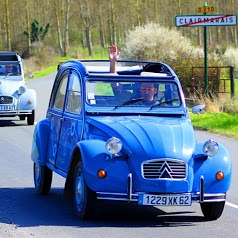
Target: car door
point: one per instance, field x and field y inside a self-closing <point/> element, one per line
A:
<point x="71" y="127"/>
<point x="55" y="115"/>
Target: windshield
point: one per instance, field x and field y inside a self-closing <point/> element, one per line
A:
<point x="10" y="69"/>
<point x="133" y="94"/>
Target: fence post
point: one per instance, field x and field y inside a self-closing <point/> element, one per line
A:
<point x="232" y="82"/>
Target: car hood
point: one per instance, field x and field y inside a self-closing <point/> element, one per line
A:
<point x="153" y="137"/>
<point x="8" y="87"/>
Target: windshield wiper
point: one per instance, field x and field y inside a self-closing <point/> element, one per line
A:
<point x="131" y="101"/>
<point x="6" y="76"/>
<point x="162" y="103"/>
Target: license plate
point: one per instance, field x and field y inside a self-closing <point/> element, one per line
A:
<point x="165" y="200"/>
<point x="6" y="107"/>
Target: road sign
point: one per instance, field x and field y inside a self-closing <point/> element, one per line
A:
<point x="205" y="20"/>
<point x="206" y="9"/>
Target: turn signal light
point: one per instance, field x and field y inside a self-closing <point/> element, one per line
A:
<point x="102" y="173"/>
<point x="29" y="102"/>
<point x="219" y="175"/>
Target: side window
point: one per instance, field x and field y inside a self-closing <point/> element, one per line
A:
<point x="60" y="95"/>
<point x="74" y="95"/>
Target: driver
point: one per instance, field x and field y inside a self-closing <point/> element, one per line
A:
<point x="148" y="91"/>
<point x="8" y="69"/>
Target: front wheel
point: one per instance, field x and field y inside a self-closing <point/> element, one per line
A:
<point x="212" y="210"/>
<point x="31" y="118"/>
<point x="84" y="197"/>
<point x="42" y="179"/>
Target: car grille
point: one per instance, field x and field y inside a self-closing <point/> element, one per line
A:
<point x="5" y="100"/>
<point x="164" y="169"/>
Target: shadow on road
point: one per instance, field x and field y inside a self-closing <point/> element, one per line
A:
<point x="7" y="122"/>
<point x="25" y="208"/>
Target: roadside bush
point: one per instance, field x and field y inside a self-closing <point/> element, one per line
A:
<point x="216" y="104"/>
<point x="230" y="58"/>
<point x="229" y="106"/>
<point x="41" y="58"/>
<point x="212" y="103"/>
<point x="157" y="43"/>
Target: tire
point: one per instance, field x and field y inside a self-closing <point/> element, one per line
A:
<point x="84" y="197"/>
<point x="31" y="118"/>
<point x="212" y="210"/>
<point x="42" y="179"/>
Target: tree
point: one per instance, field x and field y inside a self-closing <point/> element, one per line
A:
<point x="112" y="23"/>
<point x="66" y="33"/>
<point x="28" y="28"/>
<point x="86" y="19"/>
<point x="37" y="32"/>
<point x="101" y="25"/>
<point x="62" y="10"/>
<point x="104" y="21"/>
<point x="8" y="26"/>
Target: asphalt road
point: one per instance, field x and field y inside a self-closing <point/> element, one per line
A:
<point x="23" y="213"/>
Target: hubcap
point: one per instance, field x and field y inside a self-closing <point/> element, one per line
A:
<point x="37" y="174"/>
<point x="79" y="190"/>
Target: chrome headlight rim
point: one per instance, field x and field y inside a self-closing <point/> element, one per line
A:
<point x="210" y="148"/>
<point x="21" y="90"/>
<point x="113" y="145"/>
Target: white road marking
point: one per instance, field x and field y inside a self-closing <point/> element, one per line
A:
<point x="232" y="205"/>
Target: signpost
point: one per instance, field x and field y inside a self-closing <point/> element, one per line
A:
<point x="204" y="21"/>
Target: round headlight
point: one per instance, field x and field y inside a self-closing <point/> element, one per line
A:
<point x="210" y="148"/>
<point x="113" y="145"/>
<point x="21" y="90"/>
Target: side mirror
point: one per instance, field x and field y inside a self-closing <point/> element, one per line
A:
<point x="199" y="109"/>
<point x="30" y="76"/>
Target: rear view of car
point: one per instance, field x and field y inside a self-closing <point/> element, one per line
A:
<point x="15" y="98"/>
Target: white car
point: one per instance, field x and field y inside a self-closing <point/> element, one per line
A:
<point x="15" y="98"/>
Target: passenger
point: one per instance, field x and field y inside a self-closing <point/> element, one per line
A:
<point x="147" y="90"/>
<point x="113" y="57"/>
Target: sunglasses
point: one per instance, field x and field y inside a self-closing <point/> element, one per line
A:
<point x="147" y="89"/>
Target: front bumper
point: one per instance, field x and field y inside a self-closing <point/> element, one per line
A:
<point x="199" y="197"/>
<point x="14" y="113"/>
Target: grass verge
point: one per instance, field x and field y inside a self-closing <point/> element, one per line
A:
<point x="45" y="72"/>
<point x="222" y="123"/>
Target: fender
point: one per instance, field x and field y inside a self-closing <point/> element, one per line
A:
<point x="30" y="94"/>
<point x="40" y="142"/>
<point x="95" y="157"/>
<point x="93" y="152"/>
<point x="209" y="166"/>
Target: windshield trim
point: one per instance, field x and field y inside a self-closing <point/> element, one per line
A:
<point x="125" y="78"/>
<point x="91" y="96"/>
<point x="170" y="113"/>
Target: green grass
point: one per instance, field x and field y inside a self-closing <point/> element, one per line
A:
<point x="45" y="72"/>
<point x="98" y="54"/>
<point x="104" y="89"/>
<point x="222" y="123"/>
